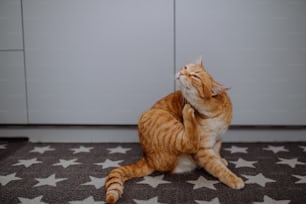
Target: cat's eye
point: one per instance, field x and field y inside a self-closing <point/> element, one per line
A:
<point x="185" y="67"/>
<point x="195" y="76"/>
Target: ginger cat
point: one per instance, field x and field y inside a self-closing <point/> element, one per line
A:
<point x="181" y="131"/>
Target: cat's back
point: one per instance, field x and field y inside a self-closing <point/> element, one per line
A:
<point x="167" y="109"/>
<point x="160" y="124"/>
<point x="172" y="103"/>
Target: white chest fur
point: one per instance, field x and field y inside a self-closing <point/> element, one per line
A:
<point x="214" y="125"/>
<point x="211" y="130"/>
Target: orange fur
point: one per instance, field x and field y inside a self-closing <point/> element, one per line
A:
<point x="187" y="122"/>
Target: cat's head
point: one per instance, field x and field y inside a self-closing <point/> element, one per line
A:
<point x="195" y="81"/>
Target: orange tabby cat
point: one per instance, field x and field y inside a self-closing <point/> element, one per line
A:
<point x="181" y="131"/>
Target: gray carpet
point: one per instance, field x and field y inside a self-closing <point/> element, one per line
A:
<point x="74" y="173"/>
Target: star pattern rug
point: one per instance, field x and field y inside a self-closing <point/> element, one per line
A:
<point x="274" y="173"/>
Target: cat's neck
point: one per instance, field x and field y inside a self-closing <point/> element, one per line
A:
<point x="204" y="108"/>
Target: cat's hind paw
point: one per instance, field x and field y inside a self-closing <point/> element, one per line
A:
<point x="188" y="111"/>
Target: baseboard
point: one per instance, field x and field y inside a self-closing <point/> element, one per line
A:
<point x="125" y="134"/>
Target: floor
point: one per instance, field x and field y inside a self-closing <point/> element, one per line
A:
<point x="75" y="173"/>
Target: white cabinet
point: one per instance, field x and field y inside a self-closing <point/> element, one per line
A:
<point x="96" y="62"/>
<point x="12" y="88"/>
<point x="13" y="108"/>
<point x="257" y="47"/>
<point x="105" y="62"/>
<point x="10" y="25"/>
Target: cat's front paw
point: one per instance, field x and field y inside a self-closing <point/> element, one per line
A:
<point x="236" y="183"/>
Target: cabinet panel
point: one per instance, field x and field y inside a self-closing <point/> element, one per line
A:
<point x="12" y="88"/>
<point x="10" y="25"/>
<point x="97" y="62"/>
<point x="257" y="47"/>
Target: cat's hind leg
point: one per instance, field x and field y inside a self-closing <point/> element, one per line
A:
<point x="188" y="139"/>
<point x="210" y="161"/>
<point x="160" y="130"/>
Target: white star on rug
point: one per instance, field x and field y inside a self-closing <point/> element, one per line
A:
<point x="203" y="182"/>
<point x="243" y="163"/>
<point x="235" y="149"/>
<point x="42" y="150"/>
<point x="276" y="149"/>
<point x="27" y="163"/>
<point x="81" y="149"/>
<point x="259" y="179"/>
<point x="8" y="178"/>
<point x="150" y="201"/>
<point x="153" y="181"/>
<point x="3" y="146"/>
<point x="268" y="200"/>
<point x="302" y="178"/>
<point x="49" y="181"/>
<point x="118" y="149"/>
<point x="97" y="182"/>
<point x="213" y="201"/>
<point x="303" y="147"/>
<point x="65" y="163"/>
<point x="36" y="200"/>
<point x="109" y="163"/>
<point x="89" y="200"/>
<point x="291" y="162"/>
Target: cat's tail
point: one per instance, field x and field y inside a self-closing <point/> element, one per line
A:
<point x="116" y="178"/>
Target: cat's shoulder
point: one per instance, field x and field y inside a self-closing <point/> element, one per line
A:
<point x="174" y="96"/>
<point x="171" y="101"/>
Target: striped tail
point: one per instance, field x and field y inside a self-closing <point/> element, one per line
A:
<point x="116" y="178"/>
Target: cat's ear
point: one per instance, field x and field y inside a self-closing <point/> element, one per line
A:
<point x="218" y="88"/>
<point x="200" y="61"/>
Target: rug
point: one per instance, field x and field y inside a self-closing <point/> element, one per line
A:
<point x="274" y="173"/>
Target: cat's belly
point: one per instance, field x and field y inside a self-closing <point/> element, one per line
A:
<point x="185" y="163"/>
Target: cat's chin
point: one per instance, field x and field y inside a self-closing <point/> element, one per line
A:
<point x="183" y="86"/>
<point x="186" y="88"/>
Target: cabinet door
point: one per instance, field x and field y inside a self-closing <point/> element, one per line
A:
<point x="10" y="25"/>
<point x="97" y="62"/>
<point x="257" y="47"/>
<point x="12" y="88"/>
